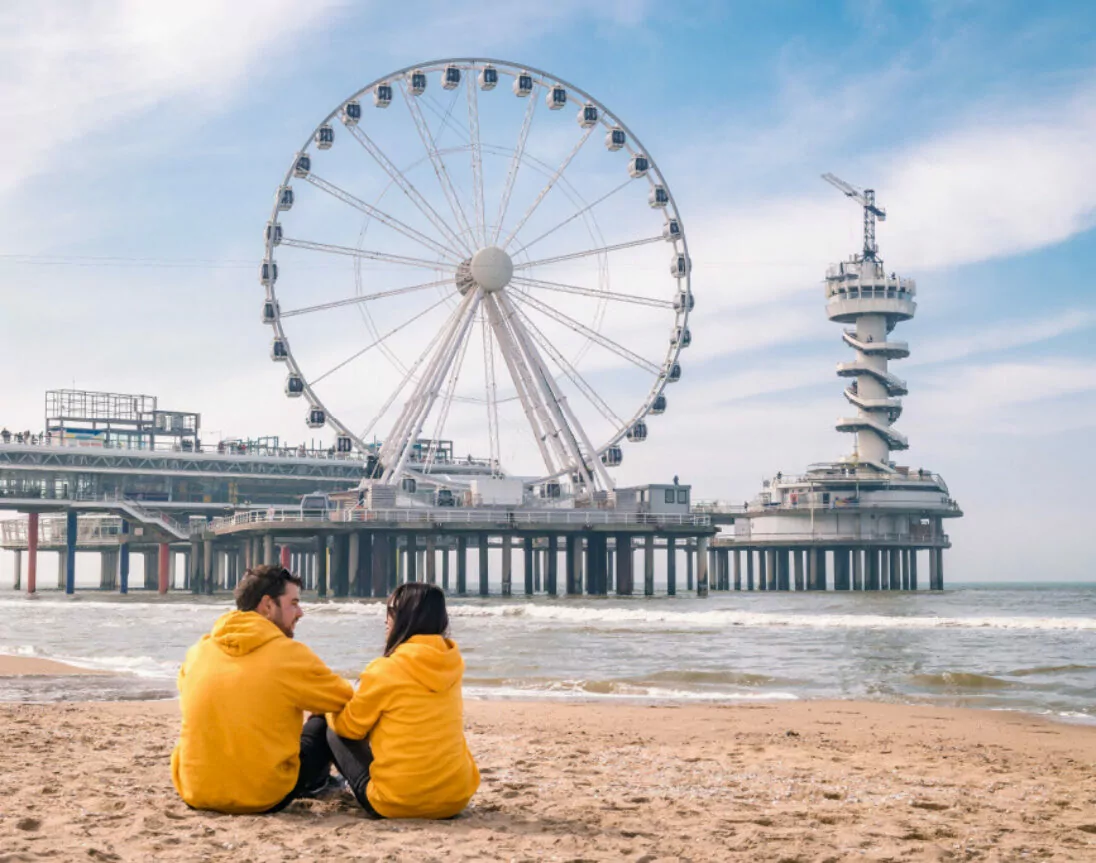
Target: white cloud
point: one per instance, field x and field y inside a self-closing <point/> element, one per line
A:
<point x="70" y="70"/>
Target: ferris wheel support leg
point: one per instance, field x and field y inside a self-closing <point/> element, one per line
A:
<point x="535" y="411"/>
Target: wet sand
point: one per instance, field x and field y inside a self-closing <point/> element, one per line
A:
<point x="32" y="666"/>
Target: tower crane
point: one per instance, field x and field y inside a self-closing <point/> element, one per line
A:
<point x="865" y="198"/>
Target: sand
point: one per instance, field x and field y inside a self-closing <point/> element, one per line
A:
<point x="806" y="781"/>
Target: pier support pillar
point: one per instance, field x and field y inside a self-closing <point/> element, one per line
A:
<point x="71" y="538"/>
<point x="913" y="568"/>
<point x="208" y="575"/>
<point x="339" y="576"/>
<point x="936" y="569"/>
<point x="462" y="565"/>
<point x="164" y="568"/>
<point x="871" y="569"/>
<point x="783" y="568"/>
<point x="507" y="565"/>
<point x="411" y="559"/>
<point x="671" y="566"/>
<point x="445" y="568"/>
<point x="32" y="552"/>
<point x="725" y="569"/>
<point x="527" y="564"/>
<point x="770" y="569"/>
<point x="857" y="569"/>
<point x="484" y="564"/>
<point x="749" y="569"/>
<point x="18" y="582"/>
<point x="353" y="563"/>
<point x="572" y="546"/>
<point x="268" y="550"/>
<point x="841" y="569"/>
<point x="625" y="565"/>
<point x="108" y="570"/>
<point x="540" y="557"/>
<point x="150" y="575"/>
<point x="702" y="566"/>
<point x="379" y="566"/>
<point x="594" y="563"/>
<point x="431" y="553"/>
<point x="738" y="569"/>
<point x="284" y="557"/>
<point x="551" y="575"/>
<point x="689" y="565"/>
<point x="321" y="565"/>
<point x="798" y="557"/>
<point x="649" y="564"/>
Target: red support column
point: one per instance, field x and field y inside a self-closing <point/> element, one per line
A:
<point x="32" y="552"/>
<point x="284" y="559"/>
<point x="165" y="557"/>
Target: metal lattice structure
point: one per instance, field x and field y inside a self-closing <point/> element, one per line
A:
<point x="440" y="262"/>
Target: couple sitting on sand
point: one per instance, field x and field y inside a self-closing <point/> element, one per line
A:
<point x="398" y="740"/>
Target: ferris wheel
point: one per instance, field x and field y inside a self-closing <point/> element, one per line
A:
<point x="475" y="256"/>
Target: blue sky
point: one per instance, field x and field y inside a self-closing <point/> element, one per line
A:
<point x="155" y="136"/>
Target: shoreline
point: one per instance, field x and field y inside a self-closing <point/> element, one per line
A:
<point x="794" y="781"/>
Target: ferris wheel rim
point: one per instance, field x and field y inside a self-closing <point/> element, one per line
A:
<point x="546" y="79"/>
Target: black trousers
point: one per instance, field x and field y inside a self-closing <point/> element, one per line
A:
<point x="352" y="759"/>
<point x="315" y="762"/>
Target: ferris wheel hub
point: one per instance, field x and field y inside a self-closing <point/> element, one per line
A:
<point x="491" y="268"/>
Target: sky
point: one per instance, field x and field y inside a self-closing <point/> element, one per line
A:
<point x="146" y="142"/>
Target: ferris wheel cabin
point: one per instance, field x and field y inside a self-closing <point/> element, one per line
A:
<point x="450" y="78"/>
<point x="587" y="117"/>
<point x="285" y="198"/>
<point x="278" y="351"/>
<point x="273" y="234"/>
<point x="382" y="95"/>
<point x="523" y="84"/>
<point x="612" y="457"/>
<point x="418" y="82"/>
<point x="658" y="406"/>
<point x="488" y="78"/>
<point x="294" y="386"/>
<point x="556" y="98"/>
<point x="352" y="112"/>
<point x="638" y="166"/>
<point x="638" y="432"/>
<point x="316" y="418"/>
<point x="301" y="168"/>
<point x="325" y="137"/>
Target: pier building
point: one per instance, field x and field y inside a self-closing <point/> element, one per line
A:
<point x="863" y="518"/>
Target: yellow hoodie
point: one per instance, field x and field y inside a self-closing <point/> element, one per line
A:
<point x="409" y="704"/>
<point x="243" y="690"/>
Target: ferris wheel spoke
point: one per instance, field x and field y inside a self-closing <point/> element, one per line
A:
<point x="379" y="341"/>
<point x="367" y="254"/>
<point x="491" y="392"/>
<point x="548" y="187"/>
<point x="536" y="413"/>
<point x="436" y="160"/>
<point x="447" y="400"/>
<point x="422" y="401"/>
<point x="616" y="247"/>
<point x="515" y="162"/>
<point x="570" y="371"/>
<point x="409" y="190"/>
<point x="562" y="288"/>
<point x="573" y="216"/>
<point x="477" y="158"/>
<point x="365" y="298"/>
<point x="593" y="335"/>
<point x="382" y="217"/>
<point x="408" y="375"/>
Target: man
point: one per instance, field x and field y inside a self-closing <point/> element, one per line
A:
<point x="243" y="691"/>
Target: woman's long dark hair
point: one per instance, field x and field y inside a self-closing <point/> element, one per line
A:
<point x="415" y="609"/>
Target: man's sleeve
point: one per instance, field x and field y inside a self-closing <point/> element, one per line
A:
<point x="315" y="687"/>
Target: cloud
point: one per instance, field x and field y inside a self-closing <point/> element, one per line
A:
<point x="71" y="70"/>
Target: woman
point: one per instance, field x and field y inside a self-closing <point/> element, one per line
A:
<point x="399" y="742"/>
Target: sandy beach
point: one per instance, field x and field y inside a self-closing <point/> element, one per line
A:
<point x="804" y="781"/>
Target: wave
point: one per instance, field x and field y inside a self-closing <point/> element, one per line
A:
<point x="603" y="690"/>
<point x="703" y="678"/>
<point x="135" y="666"/>
<point x="951" y="680"/>
<point x="1050" y="669"/>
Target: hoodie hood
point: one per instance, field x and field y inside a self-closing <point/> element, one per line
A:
<point x="432" y="660"/>
<point x="238" y="633"/>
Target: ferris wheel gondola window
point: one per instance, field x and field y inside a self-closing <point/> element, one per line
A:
<point x="273" y="233"/>
<point x="325" y="137"/>
<point x="294" y="386"/>
<point x="682" y="337"/>
<point x="451" y="77"/>
<point x="671" y="230"/>
<point x="301" y="167"/>
<point x="658" y="198"/>
<point x="587" y="117"/>
<point x="684" y="301"/>
<point x="638" y="432"/>
<point x="658" y="406"/>
<point x="674" y="374"/>
<point x="418" y="82"/>
<point x="612" y="457"/>
<point x="278" y="351"/>
<point x="680" y="266"/>
<point x="615" y="139"/>
<point x="270" y="312"/>
<point x="638" y="166"/>
<point x="268" y="273"/>
<point x="382" y="95"/>
<point x="285" y="198"/>
<point x="317" y="418"/>
<point x="344" y="444"/>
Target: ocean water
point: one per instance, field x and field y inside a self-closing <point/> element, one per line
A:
<point x="995" y="647"/>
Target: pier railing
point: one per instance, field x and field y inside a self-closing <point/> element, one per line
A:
<point x="457" y="516"/>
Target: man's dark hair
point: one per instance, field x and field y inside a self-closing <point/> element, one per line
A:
<point x="260" y="581"/>
<point x="415" y="609"/>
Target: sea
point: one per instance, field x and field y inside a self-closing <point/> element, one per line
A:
<point x="997" y="647"/>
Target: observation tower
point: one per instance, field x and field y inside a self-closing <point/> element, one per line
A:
<point x="863" y="516"/>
